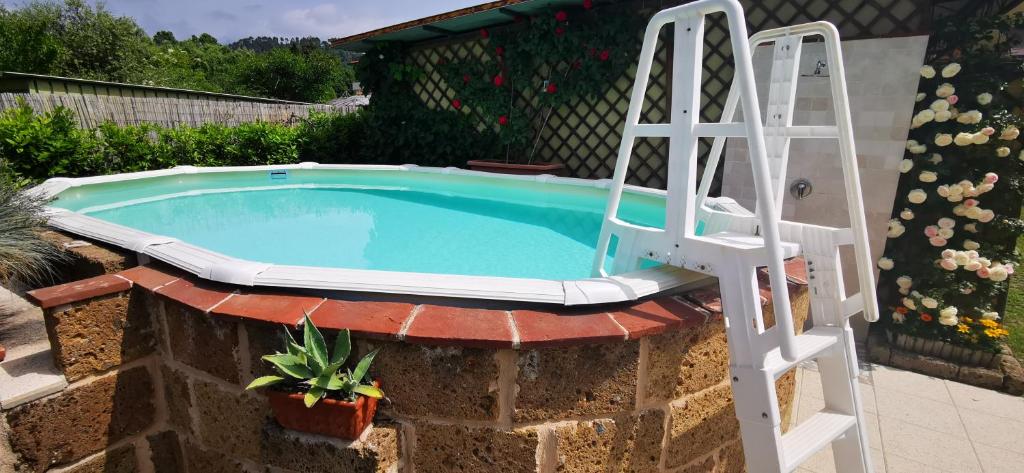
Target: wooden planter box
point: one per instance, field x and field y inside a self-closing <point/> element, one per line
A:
<point x="501" y="167"/>
<point x="945" y="350"/>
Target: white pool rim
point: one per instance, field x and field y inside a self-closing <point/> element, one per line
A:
<point x="222" y="268"/>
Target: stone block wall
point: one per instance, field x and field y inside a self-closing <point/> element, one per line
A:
<point x="157" y="365"/>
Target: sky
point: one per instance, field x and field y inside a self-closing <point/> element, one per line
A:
<point x="229" y="20"/>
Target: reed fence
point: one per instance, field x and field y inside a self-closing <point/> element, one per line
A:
<point x="92" y="110"/>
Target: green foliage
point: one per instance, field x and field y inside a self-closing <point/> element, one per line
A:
<point x="332" y="138"/>
<point x="78" y="40"/>
<point x="24" y="255"/>
<point x="541" y="63"/>
<point x="955" y="257"/>
<point x="311" y="77"/>
<point x="39" y="146"/>
<point x="311" y="368"/>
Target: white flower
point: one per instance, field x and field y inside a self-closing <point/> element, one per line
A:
<point x="1009" y="133"/>
<point x="973" y="213"/>
<point x="942" y="190"/>
<point x="985" y="98"/>
<point x="945" y="233"/>
<point x="946" y="222"/>
<point x="945" y="139"/>
<point x="948" y="264"/>
<point x="961" y="258"/>
<point x="990" y="315"/>
<point x="919" y="149"/>
<point x="970" y="117"/>
<point x="927" y="176"/>
<point x="1020" y="155"/>
<point x="939" y="106"/>
<point x="997" y="273"/>
<point x="925" y="116"/>
<point x="950" y="70"/>
<point x="945" y="90"/>
<point x="896" y="229"/>
<point x="935" y="159"/>
<point x="949" y="311"/>
<point x="904" y="281"/>
<point x="903" y="290"/>
<point x="971" y="227"/>
<point x="920" y="96"/>
<point x="885" y="264"/>
<point x="973" y="265"/>
<point x="917" y="196"/>
<point x="906" y="165"/>
<point x="909" y="303"/>
<point x="898" y="317"/>
<point x="971" y="245"/>
<point x="1002" y="151"/>
<point x="986" y="216"/>
<point x="929" y="303"/>
<point x="943" y="116"/>
<point x="985" y="187"/>
<point x="979" y="138"/>
<point x="907" y="214"/>
<point x="948" y="253"/>
<point x="963" y="139"/>
<point x="949" y="321"/>
<point x="927" y="72"/>
<point x="960" y="210"/>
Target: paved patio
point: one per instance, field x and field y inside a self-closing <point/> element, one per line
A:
<point x="920" y="424"/>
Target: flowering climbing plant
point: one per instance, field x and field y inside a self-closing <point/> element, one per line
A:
<point x="538" y="64"/>
<point x="951" y="240"/>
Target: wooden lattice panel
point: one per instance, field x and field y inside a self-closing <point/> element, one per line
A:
<point x="585" y="136"/>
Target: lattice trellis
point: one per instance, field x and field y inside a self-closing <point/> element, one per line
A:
<point x="585" y="136"/>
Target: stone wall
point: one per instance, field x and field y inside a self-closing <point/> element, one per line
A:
<point x="157" y="365"/>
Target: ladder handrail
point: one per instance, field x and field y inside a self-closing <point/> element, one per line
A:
<point x="848" y="156"/>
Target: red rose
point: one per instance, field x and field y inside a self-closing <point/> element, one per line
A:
<point x="503" y="120"/>
<point x="552" y="88"/>
<point x="456" y="104"/>
<point x="588" y="4"/>
<point x="484" y="33"/>
<point x="498" y="80"/>
<point x="500" y="51"/>
<point x="465" y="78"/>
<point x="559" y="31"/>
<point x="561" y="16"/>
<point x="604" y="55"/>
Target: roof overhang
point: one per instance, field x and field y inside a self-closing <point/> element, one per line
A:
<point x="453" y="23"/>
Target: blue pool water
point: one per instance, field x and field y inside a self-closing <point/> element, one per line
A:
<point x="389" y="221"/>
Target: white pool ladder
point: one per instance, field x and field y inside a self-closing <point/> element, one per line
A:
<point x="722" y="239"/>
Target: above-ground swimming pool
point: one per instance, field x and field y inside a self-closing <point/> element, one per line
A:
<point x="398" y="229"/>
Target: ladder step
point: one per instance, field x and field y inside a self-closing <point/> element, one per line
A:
<point x="812" y="435"/>
<point x="809" y="345"/>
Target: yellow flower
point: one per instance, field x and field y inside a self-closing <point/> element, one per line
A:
<point x="963" y="328"/>
<point x="989" y="323"/>
<point x="967" y="320"/>
<point x="996" y="332"/>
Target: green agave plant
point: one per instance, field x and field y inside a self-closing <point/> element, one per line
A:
<point x="316" y="371"/>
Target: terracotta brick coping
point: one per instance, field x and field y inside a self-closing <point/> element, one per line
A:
<point x="415" y="323"/>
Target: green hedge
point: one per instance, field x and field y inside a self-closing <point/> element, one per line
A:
<point x="34" y="147"/>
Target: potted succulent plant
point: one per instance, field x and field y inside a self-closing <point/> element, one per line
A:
<point x="313" y="392"/>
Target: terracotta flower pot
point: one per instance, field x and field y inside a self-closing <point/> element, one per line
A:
<point x="330" y="417"/>
<point x="501" y="167"/>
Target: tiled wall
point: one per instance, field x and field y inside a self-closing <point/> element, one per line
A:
<point x="882" y="76"/>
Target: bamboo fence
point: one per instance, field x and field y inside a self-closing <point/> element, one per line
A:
<point x="92" y="110"/>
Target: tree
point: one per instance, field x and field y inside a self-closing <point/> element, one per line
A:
<point x="29" y="44"/>
<point x="164" y="37"/>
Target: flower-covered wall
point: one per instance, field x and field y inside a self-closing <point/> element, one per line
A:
<point x="951" y="238"/>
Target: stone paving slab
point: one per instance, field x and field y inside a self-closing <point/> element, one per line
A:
<point x="920" y="424"/>
<point x="28" y="371"/>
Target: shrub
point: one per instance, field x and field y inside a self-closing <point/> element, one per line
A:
<point x="24" y="255"/>
<point x="332" y="137"/>
<point x="45" y="145"/>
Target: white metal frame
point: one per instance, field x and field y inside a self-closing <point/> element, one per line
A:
<point x="222" y="268"/>
<point x="734" y="243"/>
